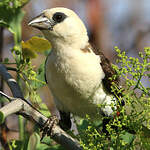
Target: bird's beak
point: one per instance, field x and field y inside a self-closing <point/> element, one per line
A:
<point x="41" y="23"/>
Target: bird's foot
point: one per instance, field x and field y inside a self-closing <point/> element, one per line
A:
<point x="48" y="126"/>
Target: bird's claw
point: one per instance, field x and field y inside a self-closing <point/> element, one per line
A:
<point x="48" y="126"/>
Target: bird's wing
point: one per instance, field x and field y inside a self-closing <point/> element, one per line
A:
<point x="45" y="67"/>
<point x="107" y="68"/>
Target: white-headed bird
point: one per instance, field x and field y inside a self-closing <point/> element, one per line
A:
<point x="77" y="76"/>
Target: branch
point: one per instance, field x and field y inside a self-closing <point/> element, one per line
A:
<point x="19" y="105"/>
<point x="14" y="87"/>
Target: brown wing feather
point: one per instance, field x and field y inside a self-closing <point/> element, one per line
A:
<point x="109" y="72"/>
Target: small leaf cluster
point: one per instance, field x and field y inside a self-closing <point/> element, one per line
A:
<point x="34" y="143"/>
<point x="30" y="78"/>
<point x="130" y="126"/>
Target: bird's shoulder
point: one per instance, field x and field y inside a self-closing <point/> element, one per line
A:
<point x="107" y="68"/>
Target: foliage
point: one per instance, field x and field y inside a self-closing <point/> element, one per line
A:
<point x="29" y="78"/>
<point x="11" y="16"/>
<point x="130" y="127"/>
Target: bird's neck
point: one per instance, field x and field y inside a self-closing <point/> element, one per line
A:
<point x="73" y="41"/>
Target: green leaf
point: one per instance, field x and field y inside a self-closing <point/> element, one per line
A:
<point x="42" y="106"/>
<point x="42" y="147"/>
<point x="44" y="110"/>
<point x="34" y="141"/>
<point x="2" y="117"/>
<point x="13" y="4"/>
<point x="47" y="140"/>
<point x="128" y="137"/>
<point x="83" y="124"/>
<point x="6" y="60"/>
<point x="11" y="18"/>
<point x="16" y="144"/>
<point x="20" y="3"/>
<point x="15" y="25"/>
<point x="40" y="82"/>
<point x="3" y="99"/>
<point x="3" y="24"/>
<point x="47" y="145"/>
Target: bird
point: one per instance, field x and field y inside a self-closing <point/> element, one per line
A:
<point x="77" y="75"/>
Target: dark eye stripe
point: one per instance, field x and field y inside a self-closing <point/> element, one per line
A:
<point x="59" y="17"/>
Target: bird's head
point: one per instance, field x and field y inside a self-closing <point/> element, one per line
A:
<point x="61" y="24"/>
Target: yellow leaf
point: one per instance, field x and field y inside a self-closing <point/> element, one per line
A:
<point x="27" y="52"/>
<point x="33" y="45"/>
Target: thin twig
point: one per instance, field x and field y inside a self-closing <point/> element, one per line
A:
<point x="6" y="96"/>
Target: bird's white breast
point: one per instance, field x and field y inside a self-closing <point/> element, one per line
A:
<point x="74" y="78"/>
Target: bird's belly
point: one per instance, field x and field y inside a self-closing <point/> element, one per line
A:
<point x="74" y="88"/>
<point x="68" y="97"/>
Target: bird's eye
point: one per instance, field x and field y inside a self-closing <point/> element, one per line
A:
<point x="59" y="17"/>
